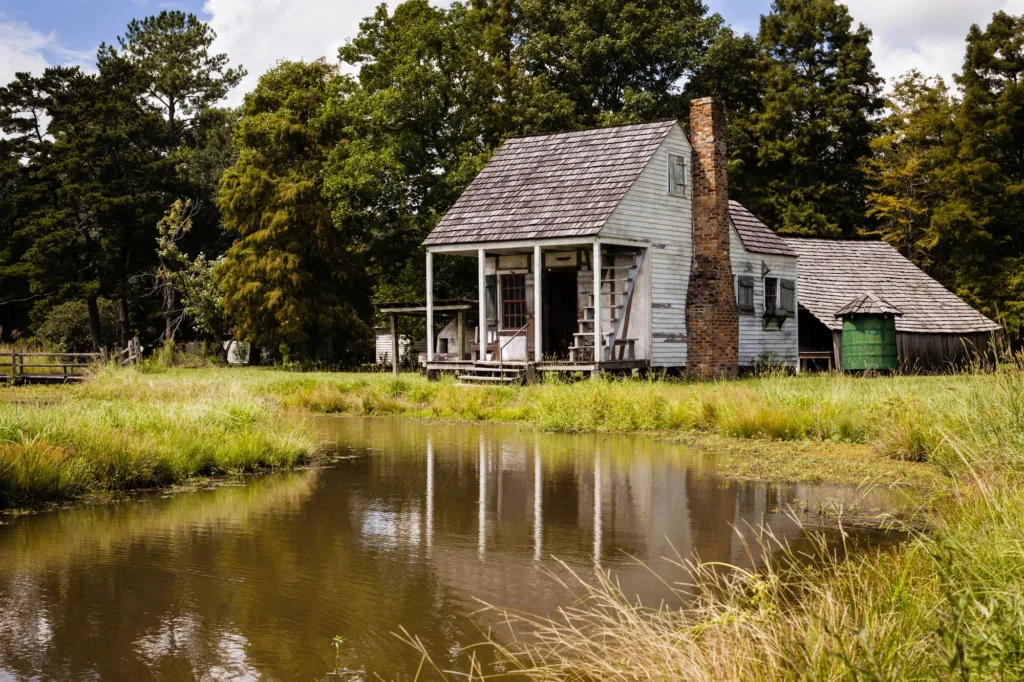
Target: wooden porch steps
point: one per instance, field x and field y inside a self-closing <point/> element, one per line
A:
<point x="492" y="373"/>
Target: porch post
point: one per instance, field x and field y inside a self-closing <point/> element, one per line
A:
<point x="482" y="303"/>
<point x="430" y="306"/>
<point x="394" y="344"/>
<point x="460" y="334"/>
<point x="598" y="354"/>
<point x="538" y="305"/>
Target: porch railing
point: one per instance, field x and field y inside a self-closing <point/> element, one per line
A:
<point x="501" y="348"/>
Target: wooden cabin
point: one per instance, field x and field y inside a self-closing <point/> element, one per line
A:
<point x="617" y="249"/>
<point x="934" y="328"/>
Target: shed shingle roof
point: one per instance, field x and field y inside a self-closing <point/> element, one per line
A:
<point x="868" y="304"/>
<point x="561" y="185"/>
<point x="755" y="235"/>
<point x="829" y="271"/>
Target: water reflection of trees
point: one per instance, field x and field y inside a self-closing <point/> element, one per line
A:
<point x="253" y="581"/>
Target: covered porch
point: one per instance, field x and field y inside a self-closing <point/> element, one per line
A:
<point x="538" y="310"/>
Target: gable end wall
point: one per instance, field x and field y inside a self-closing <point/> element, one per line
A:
<point x="649" y="213"/>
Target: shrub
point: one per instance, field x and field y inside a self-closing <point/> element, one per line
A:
<point x="65" y="328"/>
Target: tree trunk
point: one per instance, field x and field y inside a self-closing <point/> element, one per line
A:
<point x="168" y="313"/>
<point x="122" y="322"/>
<point x="255" y="357"/>
<point x="95" y="331"/>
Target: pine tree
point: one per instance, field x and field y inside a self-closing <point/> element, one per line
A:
<point x="820" y="94"/>
<point x="980" y="226"/>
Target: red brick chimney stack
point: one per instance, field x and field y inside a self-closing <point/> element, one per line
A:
<point x="712" y="318"/>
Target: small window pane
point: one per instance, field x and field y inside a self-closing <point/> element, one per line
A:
<point x="513" y="301"/>
<point x="771" y="295"/>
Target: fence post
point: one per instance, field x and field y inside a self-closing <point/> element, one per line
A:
<point x="14" y="367"/>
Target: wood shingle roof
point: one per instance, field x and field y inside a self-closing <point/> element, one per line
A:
<point x="830" y="272"/>
<point x="755" y="235"/>
<point x="868" y="304"/>
<point x="545" y="186"/>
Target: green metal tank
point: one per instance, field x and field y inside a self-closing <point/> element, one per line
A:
<point x="869" y="334"/>
<point x="869" y="342"/>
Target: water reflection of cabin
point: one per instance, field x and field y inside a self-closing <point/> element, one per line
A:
<point x="616" y="249"/>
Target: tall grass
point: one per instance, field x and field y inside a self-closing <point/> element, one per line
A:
<point x="80" y="444"/>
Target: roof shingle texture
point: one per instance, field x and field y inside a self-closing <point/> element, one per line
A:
<point x="868" y="304"/>
<point x="755" y="235"/>
<point x="829" y="272"/>
<point x="562" y="185"/>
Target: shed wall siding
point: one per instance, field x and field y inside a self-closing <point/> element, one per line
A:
<point x="648" y="213"/>
<point x="782" y="344"/>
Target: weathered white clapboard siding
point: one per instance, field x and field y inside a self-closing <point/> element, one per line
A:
<point x="649" y="213"/>
<point x="781" y="344"/>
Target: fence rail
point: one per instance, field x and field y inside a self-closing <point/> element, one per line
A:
<point x="45" y="367"/>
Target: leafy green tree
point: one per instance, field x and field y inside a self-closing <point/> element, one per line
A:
<point x="190" y="279"/>
<point x="980" y="225"/>
<point x="820" y="96"/>
<point x="291" y="279"/>
<point x="616" y="60"/>
<point x="914" y="144"/>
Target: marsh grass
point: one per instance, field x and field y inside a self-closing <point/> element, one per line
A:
<point x="82" y="443"/>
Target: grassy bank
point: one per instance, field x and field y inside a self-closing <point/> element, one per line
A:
<point x="61" y="442"/>
<point x="944" y="606"/>
<point x="132" y="428"/>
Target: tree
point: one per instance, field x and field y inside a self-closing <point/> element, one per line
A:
<point x="192" y="280"/>
<point x="171" y="52"/>
<point x="980" y="227"/>
<point x="291" y="278"/>
<point x="90" y="184"/>
<point x="914" y="143"/>
<point x="616" y="60"/>
<point x="820" y="94"/>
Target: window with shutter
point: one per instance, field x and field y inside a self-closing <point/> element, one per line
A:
<point x="677" y="175"/>
<point x="788" y="303"/>
<point x="745" y="294"/>
<point x="771" y="296"/>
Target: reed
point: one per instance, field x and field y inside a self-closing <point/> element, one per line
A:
<point x="57" y="450"/>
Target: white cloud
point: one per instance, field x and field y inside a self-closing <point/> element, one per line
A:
<point x="24" y="49"/>
<point x="259" y="33"/>
<point x="924" y="34"/>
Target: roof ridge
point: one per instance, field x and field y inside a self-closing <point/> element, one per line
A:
<point x="552" y="133"/>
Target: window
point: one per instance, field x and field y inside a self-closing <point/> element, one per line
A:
<point x="677" y="175"/>
<point x="771" y="295"/>
<point x="745" y="294"/>
<point x="513" y="301"/>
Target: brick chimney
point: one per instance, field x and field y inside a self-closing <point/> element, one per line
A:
<point x="712" y="317"/>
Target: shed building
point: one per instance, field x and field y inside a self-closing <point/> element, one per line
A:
<point x="934" y="328"/>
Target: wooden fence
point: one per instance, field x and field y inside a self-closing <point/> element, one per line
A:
<point x="45" y="367"/>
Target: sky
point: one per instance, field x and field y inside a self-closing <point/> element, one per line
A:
<point x="926" y="34"/>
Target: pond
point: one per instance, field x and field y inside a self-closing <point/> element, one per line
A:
<point x="252" y="580"/>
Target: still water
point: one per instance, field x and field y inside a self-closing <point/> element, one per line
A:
<point x="252" y="581"/>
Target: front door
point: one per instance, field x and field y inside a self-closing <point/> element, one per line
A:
<point x="560" y="301"/>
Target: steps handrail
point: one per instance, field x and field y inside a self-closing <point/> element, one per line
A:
<point x="501" y="348"/>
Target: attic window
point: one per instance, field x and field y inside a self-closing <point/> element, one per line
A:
<point x="677" y="175"/>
